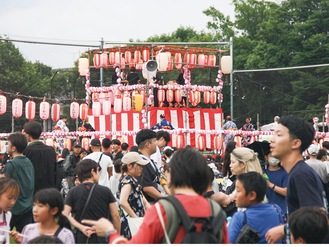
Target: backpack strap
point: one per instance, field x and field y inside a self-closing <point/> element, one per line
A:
<point x="220" y="217"/>
<point x="58" y="231"/>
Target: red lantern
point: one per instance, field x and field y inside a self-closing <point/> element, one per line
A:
<point x="137" y="56"/>
<point x="161" y="95"/>
<point x="197" y="97"/>
<point x="111" y="97"/>
<point x="97" y="61"/>
<point x="212" y="60"/>
<point x="68" y="144"/>
<point x="191" y="97"/>
<point x="213" y="97"/>
<point x="178" y="61"/>
<point x="3" y="104"/>
<point x="128" y="56"/>
<point x="217" y="142"/>
<point x="123" y="63"/>
<point x="201" y="60"/>
<point x="192" y="61"/>
<point x="30" y="110"/>
<point x="178" y="95"/>
<point x="44" y="110"/>
<point x="146" y="55"/>
<point x="112" y="58"/>
<point x="96" y="109"/>
<point x="17" y="108"/>
<point x="169" y="95"/>
<point x="180" y="141"/>
<point x="201" y="143"/>
<point x="55" y="112"/>
<point x="74" y="110"/>
<point x="83" y="111"/>
<point x="104" y="60"/>
<point x="117" y="58"/>
<point x="206" y="97"/>
<point x="107" y="107"/>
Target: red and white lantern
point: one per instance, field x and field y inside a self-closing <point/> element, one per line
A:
<point x="178" y="61"/>
<point x="212" y="60"/>
<point x="107" y="107"/>
<point x="97" y="61"/>
<point x="146" y="55"/>
<point x="74" y="110"/>
<point x="213" y="97"/>
<point x="161" y="95"/>
<point x="137" y="56"/>
<point x="197" y="97"/>
<point x="83" y="66"/>
<point x="30" y="109"/>
<point x="96" y="109"/>
<point x="201" y="143"/>
<point x="169" y="95"/>
<point x="112" y="58"/>
<point x="3" y="104"/>
<point x="68" y="143"/>
<point x="104" y="60"/>
<point x="17" y="108"/>
<point x="44" y="110"/>
<point x="180" y="143"/>
<point x="206" y="97"/>
<point x="55" y="112"/>
<point x="128" y="56"/>
<point x="83" y="113"/>
<point x="117" y="108"/>
<point x="178" y="95"/>
<point x="218" y="142"/>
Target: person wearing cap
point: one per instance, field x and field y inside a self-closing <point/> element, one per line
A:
<point x="132" y="202"/>
<point x="71" y="163"/>
<point x="229" y="125"/>
<point x="104" y="161"/>
<point x="116" y="149"/>
<point x="163" y="124"/>
<point x="320" y="167"/>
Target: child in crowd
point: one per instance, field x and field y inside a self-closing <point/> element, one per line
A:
<point x="9" y="191"/>
<point x="308" y="225"/>
<point x="47" y="213"/>
<point x="250" y="192"/>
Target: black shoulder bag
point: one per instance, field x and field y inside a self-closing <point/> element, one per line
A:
<point x="247" y="235"/>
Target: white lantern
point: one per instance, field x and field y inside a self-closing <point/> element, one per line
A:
<point x="83" y="66"/>
<point x="226" y="64"/>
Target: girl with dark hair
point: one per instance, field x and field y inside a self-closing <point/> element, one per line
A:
<point x="47" y="213"/>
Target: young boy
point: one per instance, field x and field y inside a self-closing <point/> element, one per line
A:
<point x="251" y="190"/>
<point x="308" y="225"/>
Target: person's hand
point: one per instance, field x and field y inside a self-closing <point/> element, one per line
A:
<point x="101" y="226"/>
<point x="16" y="237"/>
<point x="275" y="234"/>
<point x="87" y="231"/>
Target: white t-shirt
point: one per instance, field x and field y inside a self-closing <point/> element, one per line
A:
<point x="5" y="225"/>
<point x="156" y="157"/>
<point x="104" y="163"/>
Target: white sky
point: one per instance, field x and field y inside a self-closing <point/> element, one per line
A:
<point x="82" y="21"/>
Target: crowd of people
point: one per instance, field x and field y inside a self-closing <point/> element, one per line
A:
<point x="114" y="193"/>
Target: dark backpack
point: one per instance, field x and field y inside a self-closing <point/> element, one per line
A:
<point x="176" y="216"/>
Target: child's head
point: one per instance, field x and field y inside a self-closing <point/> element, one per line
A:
<point x="308" y="225"/>
<point x="9" y="191"/>
<point x="251" y="189"/>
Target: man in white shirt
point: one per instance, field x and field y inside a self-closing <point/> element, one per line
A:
<point x="104" y="161"/>
<point x="162" y="139"/>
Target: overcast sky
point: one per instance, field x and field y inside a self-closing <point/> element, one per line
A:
<point x="86" y="22"/>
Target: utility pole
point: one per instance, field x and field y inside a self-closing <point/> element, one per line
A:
<point x="101" y="79"/>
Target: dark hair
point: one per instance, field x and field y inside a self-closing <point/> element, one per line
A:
<point x="106" y="143"/>
<point x="65" y="152"/>
<point x="299" y="129"/>
<point x="325" y="144"/>
<point x="53" y="198"/>
<point x="189" y="168"/>
<point x="227" y="158"/>
<point x="117" y="165"/>
<point x="124" y="146"/>
<point x="211" y="175"/>
<point x="7" y="183"/>
<point x="45" y="239"/>
<point x="134" y="148"/>
<point x="253" y="181"/>
<point x="84" y="168"/>
<point x="18" y="140"/>
<point x="116" y="141"/>
<point x="163" y="134"/>
<point x="321" y="154"/>
<point x="143" y="136"/>
<point x="62" y="117"/>
<point x="83" y="150"/>
<point x="309" y="223"/>
<point x="33" y="128"/>
<point x="168" y="152"/>
<point x="132" y="69"/>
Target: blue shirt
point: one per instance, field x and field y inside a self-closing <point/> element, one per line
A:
<point x="260" y="217"/>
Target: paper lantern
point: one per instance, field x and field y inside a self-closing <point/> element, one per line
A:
<point x="213" y="97"/>
<point x="44" y="110"/>
<point x="85" y="143"/>
<point x="117" y="58"/>
<point x="226" y="64"/>
<point x="96" y="108"/>
<point x="170" y="61"/>
<point x="122" y="63"/>
<point x="201" y="143"/>
<point x="126" y="103"/>
<point x="137" y="102"/>
<point x="112" y="58"/>
<point x="30" y="109"/>
<point x="169" y="95"/>
<point x="127" y="56"/>
<point x="83" y="111"/>
<point x="146" y="55"/>
<point x="192" y="61"/>
<point x="50" y="142"/>
<point x="55" y="112"/>
<point x="117" y="108"/>
<point x="107" y="107"/>
<point x="110" y="95"/>
<point x="191" y="97"/>
<point x="68" y="143"/>
<point x="202" y="60"/>
<point x="104" y="60"/>
<point x="97" y="61"/>
<point x="74" y="110"/>
<point x="178" y="61"/>
<point x="137" y="56"/>
<point x="197" y="97"/>
<point x="217" y="142"/>
<point x="180" y="141"/>
<point x="101" y="97"/>
<point x="212" y="60"/>
<point x="206" y="97"/>
<point x="3" y="104"/>
<point x="83" y="66"/>
<point x="162" y="60"/>
<point x="17" y="108"/>
<point x="237" y="139"/>
<point x="178" y="95"/>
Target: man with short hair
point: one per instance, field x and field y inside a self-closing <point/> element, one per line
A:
<point x="71" y="163"/>
<point x="291" y="138"/>
<point x="104" y="161"/>
<point x="318" y="166"/>
<point x="21" y="169"/>
<point x="124" y="148"/>
<point x="116" y="149"/>
<point x="150" y="179"/>
<point x="162" y="138"/>
<point x="43" y="157"/>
